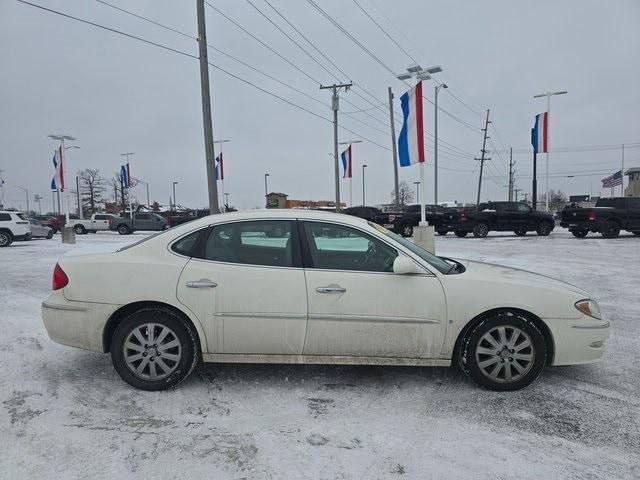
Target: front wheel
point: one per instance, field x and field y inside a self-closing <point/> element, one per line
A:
<point x="460" y="234"/>
<point x="520" y="233"/>
<point x="50" y="235"/>
<point x="124" y="230"/>
<point x="79" y="230"/>
<point x="407" y="231"/>
<point x="580" y="233"/>
<point x="544" y="229"/>
<point x="504" y="352"/>
<point x="154" y="349"/>
<point x="6" y="239"/>
<point x="481" y="230"/>
<point x="442" y="232"/>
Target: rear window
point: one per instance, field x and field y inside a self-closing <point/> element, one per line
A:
<point x="611" y="202"/>
<point x="5" y="217"/>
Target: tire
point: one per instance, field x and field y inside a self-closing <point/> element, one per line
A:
<point x="520" y="233"/>
<point x="54" y="231"/>
<point x="442" y="232"/>
<point x="544" y="229"/>
<point x="490" y="363"/>
<point x="460" y="233"/>
<point x="79" y="229"/>
<point x="124" y="229"/>
<point x="50" y="235"/>
<point x="480" y="230"/>
<point x="611" y="229"/>
<point x="407" y="231"/>
<point x="637" y="234"/>
<point x="6" y="239"/>
<point x="171" y="365"/>
<point x="580" y="233"/>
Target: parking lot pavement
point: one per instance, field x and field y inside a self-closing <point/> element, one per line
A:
<point x="66" y="414"/>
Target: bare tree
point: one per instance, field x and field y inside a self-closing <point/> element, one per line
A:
<point x="405" y="194"/>
<point x="92" y="186"/>
<point x="557" y="199"/>
<point x="120" y="193"/>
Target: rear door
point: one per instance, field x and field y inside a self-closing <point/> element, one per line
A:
<point x="100" y="222"/>
<point x="633" y="214"/>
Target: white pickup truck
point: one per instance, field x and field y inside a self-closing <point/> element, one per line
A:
<point x="98" y="221"/>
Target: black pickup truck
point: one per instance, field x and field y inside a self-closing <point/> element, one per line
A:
<point x="609" y="216"/>
<point x="410" y="218"/>
<point x="515" y="217"/>
<point x="374" y="215"/>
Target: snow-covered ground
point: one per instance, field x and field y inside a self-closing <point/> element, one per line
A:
<point x="66" y="414"/>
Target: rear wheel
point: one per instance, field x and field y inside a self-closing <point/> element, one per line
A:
<point x="154" y="349"/>
<point x="580" y="233"/>
<point x="6" y="239"/>
<point x="79" y="229"/>
<point x="124" y="230"/>
<point x="505" y="351"/>
<point x="481" y="230"/>
<point x="544" y="229"/>
<point x="442" y="232"/>
<point x="460" y="234"/>
<point x="611" y="229"/>
<point x="50" y="235"/>
<point x="407" y="231"/>
<point x="520" y="233"/>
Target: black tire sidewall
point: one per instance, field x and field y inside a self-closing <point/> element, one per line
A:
<point x="579" y="233"/>
<point x="611" y="225"/>
<point x="520" y="233"/>
<point x="79" y="230"/>
<point x="460" y="234"/>
<point x="442" y="232"/>
<point x="123" y="230"/>
<point x="481" y="230"/>
<point x="9" y="238"/>
<point x="467" y="352"/>
<point x="544" y="229"/>
<point x="183" y="330"/>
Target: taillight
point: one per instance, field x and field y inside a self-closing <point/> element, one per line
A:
<point x="60" y="279"/>
<point x="463" y="217"/>
<point x="593" y="216"/>
<point x="392" y="218"/>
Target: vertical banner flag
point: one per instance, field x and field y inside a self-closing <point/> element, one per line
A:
<point x="57" y="182"/>
<point x="540" y="133"/>
<point x="124" y="175"/>
<point x="612" y="180"/>
<point x="411" y="138"/>
<point x="346" y="162"/>
<point x="219" y="167"/>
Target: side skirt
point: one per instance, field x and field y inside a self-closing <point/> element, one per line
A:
<point x="323" y="359"/>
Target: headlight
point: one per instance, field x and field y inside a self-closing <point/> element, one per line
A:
<point x="589" y="307"/>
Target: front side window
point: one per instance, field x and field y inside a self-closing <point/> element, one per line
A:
<point x="338" y="247"/>
<point x="267" y="242"/>
<point x="523" y="208"/>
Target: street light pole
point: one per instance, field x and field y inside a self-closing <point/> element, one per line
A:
<point x="394" y="152"/>
<point x="26" y="191"/>
<point x="417" y="192"/>
<point x="435" y="144"/>
<point x="61" y="139"/>
<point x="175" y="204"/>
<point x="220" y="142"/>
<point x="350" y="142"/>
<point x="548" y="95"/>
<point x="265" y="188"/>
<point x="364" y="165"/>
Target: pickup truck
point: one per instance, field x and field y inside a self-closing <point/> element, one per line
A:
<point x="410" y="218"/>
<point x="140" y="221"/>
<point x="374" y="215"/>
<point x="98" y="221"/>
<point x="515" y="217"/>
<point x="609" y="216"/>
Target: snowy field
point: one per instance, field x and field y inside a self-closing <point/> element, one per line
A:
<point x="65" y="413"/>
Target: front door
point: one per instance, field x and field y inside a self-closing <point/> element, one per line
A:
<point x="358" y="306"/>
<point x="248" y="288"/>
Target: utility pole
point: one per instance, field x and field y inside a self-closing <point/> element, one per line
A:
<point x="394" y="152"/>
<point x="335" y="106"/>
<point x="435" y="144"/>
<point x="206" y="110"/>
<point x="37" y="197"/>
<point x="516" y="190"/>
<point x="1" y="190"/>
<point x="364" y="165"/>
<point x="482" y="157"/>
<point x="78" y="196"/>
<point x="511" y="173"/>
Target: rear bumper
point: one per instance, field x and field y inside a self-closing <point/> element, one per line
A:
<point x="580" y="225"/>
<point x="76" y="324"/>
<point x="578" y="341"/>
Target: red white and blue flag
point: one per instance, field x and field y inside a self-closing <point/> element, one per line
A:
<point x="125" y="175"/>
<point x="540" y="133"/>
<point x="411" y="138"/>
<point x="219" y="164"/>
<point x="347" y="162"/>
<point x="614" y="180"/>
<point x="57" y="182"/>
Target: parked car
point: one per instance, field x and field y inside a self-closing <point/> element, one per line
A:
<point x="97" y="222"/>
<point x="410" y="218"/>
<point x="140" y="221"/>
<point x="38" y="230"/>
<point x="373" y="214"/>
<point x="55" y="223"/>
<point x="609" y="216"/>
<point x="220" y="289"/>
<point x="515" y="217"/>
<point x="13" y="226"/>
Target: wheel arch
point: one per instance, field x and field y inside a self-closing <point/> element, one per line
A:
<point x="537" y="321"/>
<point x="123" y="312"/>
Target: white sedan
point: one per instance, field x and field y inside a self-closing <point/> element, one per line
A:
<point x="313" y="287"/>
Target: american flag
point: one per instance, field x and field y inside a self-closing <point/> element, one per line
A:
<point x="612" y="180"/>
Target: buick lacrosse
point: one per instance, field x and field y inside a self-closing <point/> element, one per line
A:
<point x="313" y="287"/>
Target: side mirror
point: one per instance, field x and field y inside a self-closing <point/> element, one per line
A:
<point x="403" y="265"/>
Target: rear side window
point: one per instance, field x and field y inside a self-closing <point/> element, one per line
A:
<point x="100" y="217"/>
<point x="5" y="217"/>
<point x="187" y="245"/>
<point x="142" y="216"/>
<point x="268" y="243"/>
<point x="633" y="203"/>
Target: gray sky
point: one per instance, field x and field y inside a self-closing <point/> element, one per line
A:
<point x="119" y="95"/>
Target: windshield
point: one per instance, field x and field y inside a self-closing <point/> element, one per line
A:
<point x="436" y="262"/>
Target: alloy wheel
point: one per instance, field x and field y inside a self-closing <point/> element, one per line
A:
<point x="152" y="351"/>
<point x="505" y="354"/>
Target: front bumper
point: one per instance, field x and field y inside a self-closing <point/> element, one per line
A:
<point x="76" y="324"/>
<point x="578" y="341"/>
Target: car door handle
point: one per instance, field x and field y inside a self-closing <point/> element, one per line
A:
<point x="331" y="289"/>
<point x="202" y="283"/>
